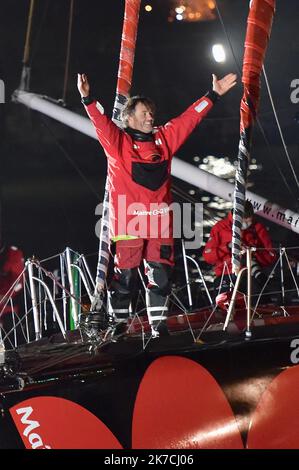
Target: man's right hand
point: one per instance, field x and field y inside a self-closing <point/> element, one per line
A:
<point x="226" y="83"/>
<point x="83" y="85"/>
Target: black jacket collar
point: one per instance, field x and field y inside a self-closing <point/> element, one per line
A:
<point x="139" y="135"/>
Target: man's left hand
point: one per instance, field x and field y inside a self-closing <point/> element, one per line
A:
<point x="224" y="84"/>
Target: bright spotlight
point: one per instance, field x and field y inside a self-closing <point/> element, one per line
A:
<point x="219" y="53"/>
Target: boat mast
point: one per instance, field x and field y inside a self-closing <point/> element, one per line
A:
<point x="259" y="24"/>
<point x="25" y="76"/>
<point x="124" y="81"/>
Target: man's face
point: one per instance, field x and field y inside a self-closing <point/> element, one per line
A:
<point x="247" y="221"/>
<point x="142" y="119"/>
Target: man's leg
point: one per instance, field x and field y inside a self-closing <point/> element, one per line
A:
<point x="128" y="255"/>
<point x="159" y="255"/>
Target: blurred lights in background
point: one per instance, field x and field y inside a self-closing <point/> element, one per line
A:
<point x="192" y="10"/>
<point x="148" y="8"/>
<point x="219" y="166"/>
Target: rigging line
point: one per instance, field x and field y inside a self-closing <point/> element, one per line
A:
<point x="68" y="50"/>
<point x="36" y="42"/>
<point x="70" y="160"/>
<point x="275" y="163"/>
<point x="81" y="349"/>
<point x="279" y="127"/>
<point x="182" y="194"/>
<point x="207" y="211"/>
<point x="234" y="118"/>
<point x="28" y="33"/>
<point x="257" y="118"/>
<point x="228" y="39"/>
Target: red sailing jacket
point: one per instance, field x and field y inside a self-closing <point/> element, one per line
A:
<point x="11" y="266"/>
<point x="139" y="172"/>
<point x="218" y="252"/>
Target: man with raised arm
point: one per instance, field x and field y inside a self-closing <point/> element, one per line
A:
<point x="139" y="166"/>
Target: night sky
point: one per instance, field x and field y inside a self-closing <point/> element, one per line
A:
<point x="52" y="177"/>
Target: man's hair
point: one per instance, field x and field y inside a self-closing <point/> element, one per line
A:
<point x="248" y="210"/>
<point x="131" y="104"/>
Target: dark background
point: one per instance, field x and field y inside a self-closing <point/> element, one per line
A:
<point x="52" y="177"/>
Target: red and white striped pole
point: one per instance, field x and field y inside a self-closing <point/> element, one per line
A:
<point x="259" y="25"/>
<point x="124" y="81"/>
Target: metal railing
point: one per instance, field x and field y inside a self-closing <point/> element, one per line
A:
<point x="54" y="299"/>
<point x="51" y="302"/>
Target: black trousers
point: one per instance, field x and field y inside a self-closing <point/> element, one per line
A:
<point x="158" y="289"/>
